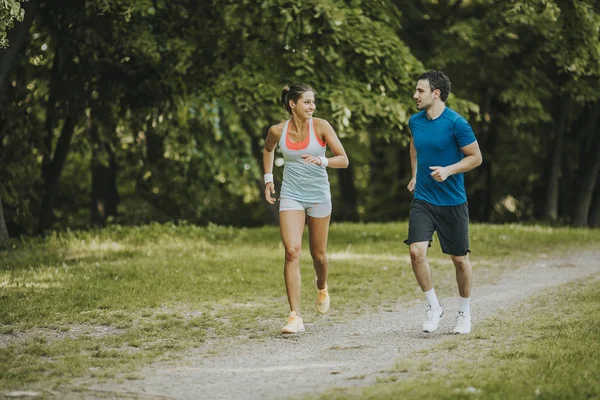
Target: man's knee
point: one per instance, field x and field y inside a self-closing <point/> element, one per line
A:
<point x="461" y="262"/>
<point x="418" y="253"/>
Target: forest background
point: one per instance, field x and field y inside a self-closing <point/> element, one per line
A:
<point x="139" y="111"/>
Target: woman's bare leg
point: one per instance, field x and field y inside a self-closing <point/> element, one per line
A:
<point x="318" y="231"/>
<point x="291" y="224"/>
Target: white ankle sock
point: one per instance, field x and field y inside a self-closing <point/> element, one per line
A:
<point x="432" y="298"/>
<point x="465" y="305"/>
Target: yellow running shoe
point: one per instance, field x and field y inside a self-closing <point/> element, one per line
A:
<point x="294" y="324"/>
<point x="322" y="299"/>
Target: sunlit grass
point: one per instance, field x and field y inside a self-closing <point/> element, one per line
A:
<point x="547" y="348"/>
<point x="165" y="288"/>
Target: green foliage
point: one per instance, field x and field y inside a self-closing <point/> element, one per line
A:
<point x="180" y="96"/>
<point x="362" y="72"/>
<point x="519" y="61"/>
<point x="10" y="11"/>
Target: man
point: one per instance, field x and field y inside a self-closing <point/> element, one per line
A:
<point x="442" y="148"/>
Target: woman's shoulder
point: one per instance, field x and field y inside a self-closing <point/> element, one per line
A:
<point x="320" y="123"/>
<point x="277" y="128"/>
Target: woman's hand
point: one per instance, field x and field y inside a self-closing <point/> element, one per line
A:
<point x="270" y="189"/>
<point x="308" y="159"/>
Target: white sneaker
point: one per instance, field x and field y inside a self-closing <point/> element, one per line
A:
<point x="432" y="318"/>
<point x="294" y="324"/>
<point x="463" y="323"/>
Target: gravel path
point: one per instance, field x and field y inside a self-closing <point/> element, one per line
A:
<point x="341" y="355"/>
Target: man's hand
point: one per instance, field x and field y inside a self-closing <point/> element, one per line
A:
<point x="270" y="189"/>
<point x="411" y="185"/>
<point x="440" y="173"/>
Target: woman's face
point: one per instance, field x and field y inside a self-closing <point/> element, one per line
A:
<point x="305" y="106"/>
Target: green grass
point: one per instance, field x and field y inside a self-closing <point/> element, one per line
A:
<point x="548" y="348"/>
<point x="99" y="303"/>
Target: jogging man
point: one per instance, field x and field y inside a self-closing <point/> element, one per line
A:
<point x="442" y="148"/>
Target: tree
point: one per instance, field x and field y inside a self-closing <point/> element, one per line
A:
<point x="16" y="36"/>
<point x="529" y="66"/>
<point x="3" y="230"/>
<point x="153" y="110"/>
<point x="590" y="168"/>
<point x="10" y="11"/>
<point x="362" y="71"/>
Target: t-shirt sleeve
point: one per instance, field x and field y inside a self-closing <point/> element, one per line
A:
<point x="410" y="122"/>
<point x="463" y="132"/>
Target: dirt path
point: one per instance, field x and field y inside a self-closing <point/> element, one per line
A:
<point x="341" y="355"/>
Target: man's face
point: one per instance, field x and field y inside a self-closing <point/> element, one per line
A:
<point x="424" y="96"/>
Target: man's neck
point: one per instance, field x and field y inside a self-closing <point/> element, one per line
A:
<point x="436" y="110"/>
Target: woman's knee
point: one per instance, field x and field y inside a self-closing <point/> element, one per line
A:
<point x="319" y="256"/>
<point x="292" y="252"/>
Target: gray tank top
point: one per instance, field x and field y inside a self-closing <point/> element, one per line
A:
<point x="303" y="182"/>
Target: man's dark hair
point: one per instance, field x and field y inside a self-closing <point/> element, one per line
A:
<point x="438" y="80"/>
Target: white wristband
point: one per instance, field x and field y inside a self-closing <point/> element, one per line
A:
<point x="324" y="162"/>
<point x="268" y="178"/>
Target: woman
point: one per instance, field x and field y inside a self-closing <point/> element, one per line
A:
<point x="305" y="193"/>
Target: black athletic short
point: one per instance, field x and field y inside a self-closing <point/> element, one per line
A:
<point x="450" y="222"/>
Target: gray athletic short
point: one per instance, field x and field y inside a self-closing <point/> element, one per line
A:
<point x="450" y="222"/>
<point x="315" y="210"/>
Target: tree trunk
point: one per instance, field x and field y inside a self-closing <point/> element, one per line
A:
<point x="17" y="38"/>
<point x="347" y="210"/>
<point x="378" y="200"/>
<point x="551" y="206"/>
<point x="153" y="159"/>
<point x="488" y="161"/>
<point x="45" y="217"/>
<point x="403" y="175"/>
<point x="51" y="175"/>
<point x="155" y="145"/>
<point x="594" y="220"/>
<point x="585" y="194"/>
<point x="488" y="138"/>
<point x="3" y="230"/>
<point x="52" y="164"/>
<point x="104" y="194"/>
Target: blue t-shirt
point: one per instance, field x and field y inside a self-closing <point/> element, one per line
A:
<point x="438" y="143"/>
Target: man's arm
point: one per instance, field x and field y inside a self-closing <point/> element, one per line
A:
<point x="472" y="159"/>
<point x="413" y="165"/>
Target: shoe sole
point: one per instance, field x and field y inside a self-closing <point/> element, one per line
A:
<point x="462" y="333"/>
<point x="291" y="333"/>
